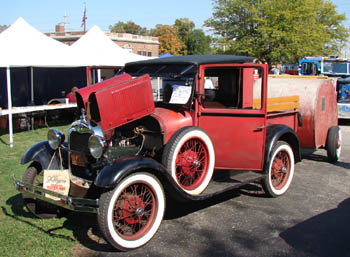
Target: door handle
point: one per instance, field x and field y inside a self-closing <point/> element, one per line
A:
<point x="260" y="128"/>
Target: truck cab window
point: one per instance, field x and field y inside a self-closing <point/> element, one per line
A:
<point x="230" y="87"/>
<point x="222" y="87"/>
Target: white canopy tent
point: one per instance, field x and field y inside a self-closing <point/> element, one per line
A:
<point x="99" y="50"/>
<point x="21" y="45"/>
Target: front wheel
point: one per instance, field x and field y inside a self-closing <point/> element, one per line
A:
<point x="334" y="142"/>
<point x="130" y="215"/>
<point x="189" y="158"/>
<point x="280" y="170"/>
<point x="34" y="176"/>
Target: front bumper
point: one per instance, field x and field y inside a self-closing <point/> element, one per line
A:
<point x="67" y="202"/>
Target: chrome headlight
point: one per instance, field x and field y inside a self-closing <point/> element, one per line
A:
<point x="96" y="146"/>
<point x="55" y="138"/>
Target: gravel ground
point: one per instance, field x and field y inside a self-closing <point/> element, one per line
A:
<point x="311" y="219"/>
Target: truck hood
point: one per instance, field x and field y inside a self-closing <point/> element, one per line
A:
<point x="115" y="105"/>
<point x="83" y="94"/>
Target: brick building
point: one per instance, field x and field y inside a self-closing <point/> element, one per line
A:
<point x="141" y="45"/>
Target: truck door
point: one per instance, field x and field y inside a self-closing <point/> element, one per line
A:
<point x="233" y="114"/>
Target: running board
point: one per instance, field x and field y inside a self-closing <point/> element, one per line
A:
<point x="226" y="180"/>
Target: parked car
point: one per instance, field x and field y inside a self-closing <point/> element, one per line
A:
<point x="126" y="153"/>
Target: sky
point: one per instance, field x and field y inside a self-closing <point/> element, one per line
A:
<point x="45" y="14"/>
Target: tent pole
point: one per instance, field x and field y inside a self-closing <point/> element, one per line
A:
<point x="32" y="84"/>
<point x="9" y="104"/>
<point x="88" y="76"/>
<point x="98" y="75"/>
<point x="158" y="89"/>
<point x="93" y="76"/>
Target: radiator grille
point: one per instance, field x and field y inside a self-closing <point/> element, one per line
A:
<point x="79" y="142"/>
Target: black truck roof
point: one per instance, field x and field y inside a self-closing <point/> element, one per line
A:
<point x="187" y="60"/>
<point x="196" y="59"/>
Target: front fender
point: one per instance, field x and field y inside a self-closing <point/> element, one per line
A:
<point x="278" y="132"/>
<point x="42" y="153"/>
<point x="111" y="175"/>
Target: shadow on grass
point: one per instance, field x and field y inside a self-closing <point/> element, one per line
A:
<point x="326" y="234"/>
<point x="86" y="230"/>
<point x="20" y="215"/>
<point x="3" y="142"/>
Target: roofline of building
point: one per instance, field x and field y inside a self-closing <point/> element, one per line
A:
<point x="121" y="37"/>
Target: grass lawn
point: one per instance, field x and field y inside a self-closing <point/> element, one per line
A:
<point x="20" y="233"/>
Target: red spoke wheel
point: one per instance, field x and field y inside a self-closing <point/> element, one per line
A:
<point x="189" y="158"/>
<point x="280" y="170"/>
<point x="192" y="163"/>
<point x="131" y="214"/>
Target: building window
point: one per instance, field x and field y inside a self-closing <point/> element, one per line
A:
<point x="149" y="54"/>
<point x="139" y="52"/>
<point x="144" y="53"/>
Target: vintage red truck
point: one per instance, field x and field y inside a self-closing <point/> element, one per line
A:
<point x="127" y="153"/>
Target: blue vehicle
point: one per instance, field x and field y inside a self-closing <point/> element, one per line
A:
<point x="343" y="98"/>
<point x="310" y="66"/>
<point x="336" y="67"/>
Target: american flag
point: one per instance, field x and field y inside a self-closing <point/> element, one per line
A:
<point x="83" y="23"/>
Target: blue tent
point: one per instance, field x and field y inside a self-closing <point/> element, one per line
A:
<point x="165" y="55"/>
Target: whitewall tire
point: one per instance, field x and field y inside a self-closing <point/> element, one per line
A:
<point x="190" y="158"/>
<point x="280" y="170"/>
<point x="130" y="215"/>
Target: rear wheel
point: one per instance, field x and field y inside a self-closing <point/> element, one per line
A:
<point x="130" y="215"/>
<point x="280" y="170"/>
<point x="189" y="157"/>
<point x="334" y="143"/>
<point x="34" y="176"/>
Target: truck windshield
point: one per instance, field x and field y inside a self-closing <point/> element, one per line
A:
<point x="335" y="67"/>
<point x="172" y="84"/>
<point x="170" y="90"/>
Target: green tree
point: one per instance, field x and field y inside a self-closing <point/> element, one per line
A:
<point x="128" y="27"/>
<point x="278" y="31"/>
<point x="168" y="39"/>
<point x="193" y="41"/>
<point x="198" y="42"/>
<point x="3" y="27"/>
<point x="184" y="28"/>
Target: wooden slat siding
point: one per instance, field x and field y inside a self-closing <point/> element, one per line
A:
<point x="278" y="103"/>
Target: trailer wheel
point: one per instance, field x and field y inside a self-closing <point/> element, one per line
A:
<point x="130" y="215"/>
<point x="334" y="143"/>
<point x="34" y="176"/>
<point x="280" y="170"/>
<point x="189" y="157"/>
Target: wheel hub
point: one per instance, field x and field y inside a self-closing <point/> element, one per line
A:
<point x="139" y="212"/>
<point x="284" y="170"/>
<point x="133" y="209"/>
<point x="280" y="168"/>
<point x="189" y="162"/>
<point x="196" y="163"/>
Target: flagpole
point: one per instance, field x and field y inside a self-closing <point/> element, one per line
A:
<point x="83" y="24"/>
